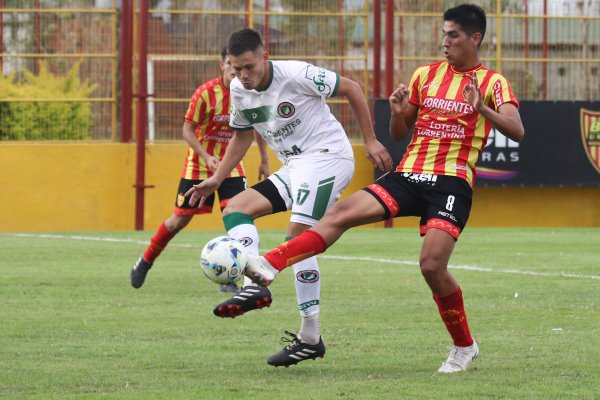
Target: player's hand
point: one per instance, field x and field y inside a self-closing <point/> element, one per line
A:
<point x="212" y="163"/>
<point x="473" y="93"/>
<point x="378" y="155"/>
<point x="202" y="190"/>
<point x="399" y="99"/>
<point x="263" y="171"/>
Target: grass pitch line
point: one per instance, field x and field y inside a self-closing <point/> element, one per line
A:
<point x="325" y="256"/>
<point x="461" y="267"/>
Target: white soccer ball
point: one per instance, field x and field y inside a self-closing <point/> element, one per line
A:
<point x="223" y="260"/>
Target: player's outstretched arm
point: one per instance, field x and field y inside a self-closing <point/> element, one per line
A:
<point x="376" y="152"/>
<point x="237" y="148"/>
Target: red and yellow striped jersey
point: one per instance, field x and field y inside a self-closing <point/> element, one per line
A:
<point x="209" y="111"/>
<point x="449" y="134"/>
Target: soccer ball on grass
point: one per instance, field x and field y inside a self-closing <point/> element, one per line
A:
<point x="223" y="260"/>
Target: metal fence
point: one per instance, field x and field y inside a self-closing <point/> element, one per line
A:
<point x="548" y="49"/>
<point x="59" y="35"/>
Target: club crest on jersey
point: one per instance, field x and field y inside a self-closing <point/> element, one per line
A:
<point x="286" y="109"/>
<point x="590" y="135"/>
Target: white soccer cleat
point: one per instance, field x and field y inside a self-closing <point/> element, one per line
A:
<point x="459" y="359"/>
<point x="260" y="271"/>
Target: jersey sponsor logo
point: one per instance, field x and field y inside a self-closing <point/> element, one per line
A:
<point x="221" y="118"/>
<point x="447" y="107"/>
<point x="317" y="76"/>
<point x="286" y="109"/>
<point x="442" y="131"/>
<point x="498" y="93"/>
<point x="258" y="114"/>
<point x="590" y="135"/>
<point x="308" y="276"/>
<point x="280" y="134"/>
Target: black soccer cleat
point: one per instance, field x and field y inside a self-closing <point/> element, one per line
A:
<point x="247" y="299"/>
<point x="139" y="271"/>
<point x="296" y="351"/>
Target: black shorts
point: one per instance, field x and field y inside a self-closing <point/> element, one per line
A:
<point x="442" y="202"/>
<point x="229" y="188"/>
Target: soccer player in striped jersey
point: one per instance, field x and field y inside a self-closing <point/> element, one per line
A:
<point x="285" y="102"/>
<point x="206" y="130"/>
<point x="452" y="106"/>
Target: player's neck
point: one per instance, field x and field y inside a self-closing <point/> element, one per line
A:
<point x="467" y="65"/>
<point x="266" y="77"/>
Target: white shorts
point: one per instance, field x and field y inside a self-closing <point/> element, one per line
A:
<point x="310" y="185"/>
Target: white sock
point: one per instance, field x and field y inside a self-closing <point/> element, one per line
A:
<point x="248" y="235"/>
<point x="308" y="292"/>
<point x="310" y="330"/>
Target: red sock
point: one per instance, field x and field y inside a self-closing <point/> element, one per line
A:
<point x="158" y="243"/>
<point x="452" y="311"/>
<point x="306" y="245"/>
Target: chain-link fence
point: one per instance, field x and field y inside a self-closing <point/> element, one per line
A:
<point x="186" y="37"/>
<point x="59" y="69"/>
<point x="548" y="49"/>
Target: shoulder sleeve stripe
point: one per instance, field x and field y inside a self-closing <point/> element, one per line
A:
<point x="337" y="86"/>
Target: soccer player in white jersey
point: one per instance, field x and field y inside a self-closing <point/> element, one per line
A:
<point x="284" y="101"/>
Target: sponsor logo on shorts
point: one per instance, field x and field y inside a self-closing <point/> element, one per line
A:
<point x="308" y="276"/>
<point x="308" y="304"/>
<point x="447" y="215"/>
<point x="180" y="199"/>
<point x="286" y="109"/>
<point x="420" y="178"/>
<point x="246" y="241"/>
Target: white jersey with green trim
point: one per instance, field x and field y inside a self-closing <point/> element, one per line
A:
<point x="290" y="112"/>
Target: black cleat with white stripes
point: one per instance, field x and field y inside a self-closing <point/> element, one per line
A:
<point x="247" y="299"/>
<point x="296" y="351"/>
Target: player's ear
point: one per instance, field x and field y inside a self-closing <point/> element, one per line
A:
<point x="265" y="56"/>
<point x="476" y="39"/>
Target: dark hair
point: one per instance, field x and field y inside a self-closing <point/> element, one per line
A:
<point x="470" y="17"/>
<point x="244" y="40"/>
<point x="223" y="53"/>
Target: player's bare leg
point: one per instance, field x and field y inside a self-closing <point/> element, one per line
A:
<point x="358" y="209"/>
<point x="435" y="254"/>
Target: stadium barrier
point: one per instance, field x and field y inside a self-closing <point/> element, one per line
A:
<point x="53" y="187"/>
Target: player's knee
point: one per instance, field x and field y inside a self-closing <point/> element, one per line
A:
<point x="431" y="266"/>
<point x="175" y="223"/>
<point x="232" y="207"/>
<point x="338" y="215"/>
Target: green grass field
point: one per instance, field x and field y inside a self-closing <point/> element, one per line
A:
<point x="72" y="328"/>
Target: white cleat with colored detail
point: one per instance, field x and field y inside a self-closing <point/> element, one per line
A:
<point x="260" y="271"/>
<point x="459" y="359"/>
